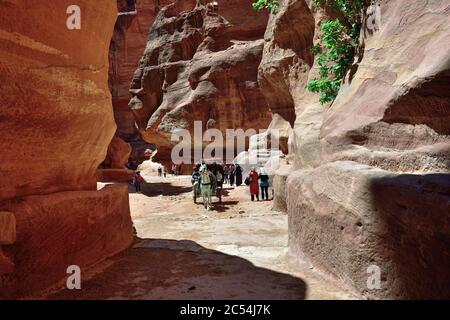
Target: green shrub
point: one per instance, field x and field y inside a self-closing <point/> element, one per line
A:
<point x="337" y="48"/>
<point x="271" y="5"/>
<point x="334" y="57"/>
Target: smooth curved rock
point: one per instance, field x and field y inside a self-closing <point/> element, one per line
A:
<point x="56" y="110"/>
<point x="63" y="229"/>
<point x="117" y="155"/>
<point x="56" y="124"/>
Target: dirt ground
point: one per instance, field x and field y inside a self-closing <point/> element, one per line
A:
<point x="238" y="250"/>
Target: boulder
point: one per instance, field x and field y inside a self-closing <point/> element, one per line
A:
<point x="200" y="64"/>
<point x="149" y="168"/>
<point x="115" y="175"/>
<point x="117" y="155"/>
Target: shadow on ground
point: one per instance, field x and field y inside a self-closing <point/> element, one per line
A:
<point x="163" y="188"/>
<point x="224" y="206"/>
<point x="169" y="269"/>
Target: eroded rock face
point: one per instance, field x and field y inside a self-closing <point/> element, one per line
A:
<point x="118" y="153"/>
<point x="346" y="217"/>
<point x="200" y="64"/>
<point x="398" y="102"/>
<point x="127" y="44"/>
<point x="63" y="229"/>
<point x="372" y="170"/>
<point x="55" y="93"/>
<point x="56" y="124"/>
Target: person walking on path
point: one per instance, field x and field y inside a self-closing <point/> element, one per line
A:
<point x="137" y="180"/>
<point x="226" y="174"/>
<point x="253" y="182"/>
<point x="207" y="185"/>
<point x="238" y="175"/>
<point x="264" y="184"/>
<point x="232" y="174"/>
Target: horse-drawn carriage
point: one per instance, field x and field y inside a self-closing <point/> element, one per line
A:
<point x="215" y="186"/>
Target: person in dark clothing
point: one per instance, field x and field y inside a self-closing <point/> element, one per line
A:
<point x="264" y="184"/>
<point x="238" y="175"/>
<point x="232" y="174"/>
<point x="137" y="180"/>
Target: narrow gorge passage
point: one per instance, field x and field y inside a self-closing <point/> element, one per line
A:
<point x="238" y="250"/>
<point x="347" y="128"/>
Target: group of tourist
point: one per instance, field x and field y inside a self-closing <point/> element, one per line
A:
<point x="214" y="175"/>
<point x="257" y="181"/>
<point x="232" y="174"/>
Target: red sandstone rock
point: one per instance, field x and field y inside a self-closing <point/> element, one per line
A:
<point x="118" y="153"/>
<point x="62" y="229"/>
<point x="201" y="65"/>
<point x="54" y="93"/>
<point x="7" y="228"/>
<point x="6" y="265"/>
<point x="127" y="44"/>
<point x="392" y="115"/>
<point x="56" y="124"/>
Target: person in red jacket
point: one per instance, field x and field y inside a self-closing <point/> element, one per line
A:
<point x="254" y="184"/>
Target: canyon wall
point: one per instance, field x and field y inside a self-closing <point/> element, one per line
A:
<point x="200" y="63"/>
<point x="56" y="122"/>
<point x="369" y="184"/>
<point x="127" y="45"/>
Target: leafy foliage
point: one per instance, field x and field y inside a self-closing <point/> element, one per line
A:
<point x="334" y="58"/>
<point x="337" y="47"/>
<point x="350" y="9"/>
<point x="271" y="5"/>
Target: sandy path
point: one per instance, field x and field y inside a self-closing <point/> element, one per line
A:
<point x="236" y="251"/>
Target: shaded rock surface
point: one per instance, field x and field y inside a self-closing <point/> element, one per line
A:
<point x="200" y="64"/>
<point x="372" y="169"/>
<point x="63" y="229"/>
<point x="347" y="217"/>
